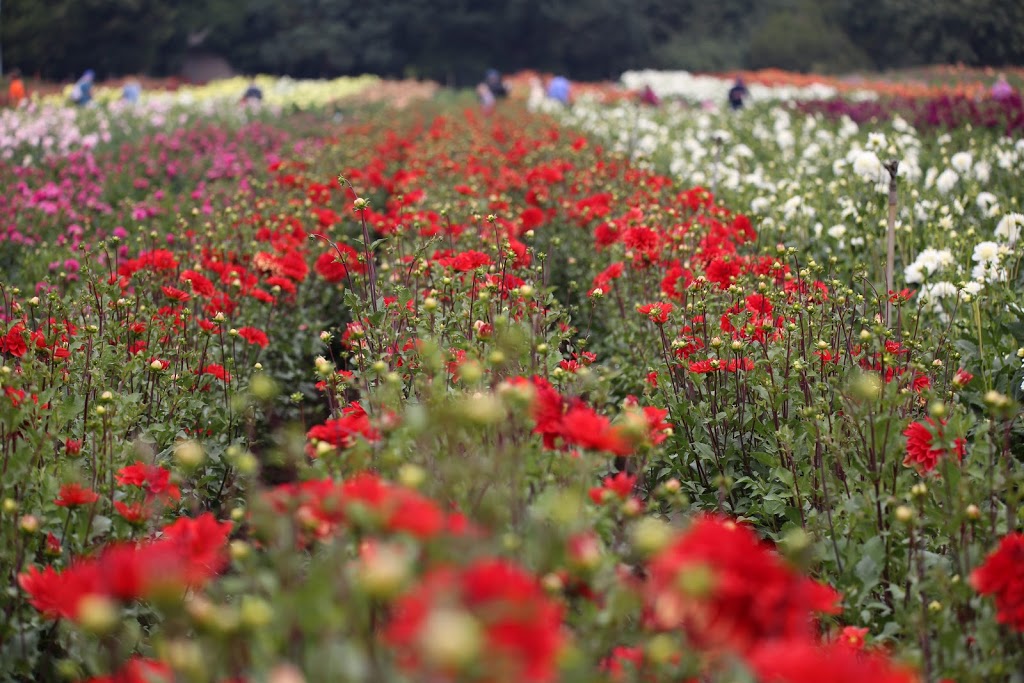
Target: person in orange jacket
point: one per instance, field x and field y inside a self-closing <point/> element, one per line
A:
<point x="16" y="89"/>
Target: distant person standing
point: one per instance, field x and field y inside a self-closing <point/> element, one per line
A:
<point x="252" y="94"/>
<point x="491" y="90"/>
<point x="131" y="92"/>
<point x="493" y="82"/>
<point x="649" y="97"/>
<point x="81" y="91"/>
<point x="737" y="94"/>
<point x="560" y="90"/>
<point x="1001" y="91"/>
<point x="16" y="89"/>
<point x="536" y="98"/>
<point x="487" y="100"/>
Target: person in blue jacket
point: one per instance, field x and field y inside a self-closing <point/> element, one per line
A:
<point x="81" y="91"/>
<point x="560" y="90"/>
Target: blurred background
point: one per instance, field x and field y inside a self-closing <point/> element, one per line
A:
<point x="452" y="41"/>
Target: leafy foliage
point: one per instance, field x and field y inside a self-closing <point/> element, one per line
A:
<point x="454" y="40"/>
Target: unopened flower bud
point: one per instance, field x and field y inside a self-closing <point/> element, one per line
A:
<point x="97" y="614"/>
<point x="189" y="454"/>
<point x="651" y="535"/>
<point x="411" y="475"/>
<point x="255" y="612"/>
<point x="384" y="571"/>
<point x="450" y="639"/>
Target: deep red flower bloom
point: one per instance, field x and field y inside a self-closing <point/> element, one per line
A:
<point x="852" y="637"/>
<point x="520" y="627"/>
<point x="341" y="432"/>
<point x="1002" y="576"/>
<point x="623" y="663"/>
<point x="138" y="670"/>
<point x="175" y="293"/>
<point x="188" y="553"/>
<point x="14" y="342"/>
<point x="759" y="304"/>
<point x="74" y="495"/>
<point x="136" y="513"/>
<point x="334" y="267"/>
<point x="722" y="271"/>
<point x="217" y="371"/>
<point x="922" y="451"/>
<point x="727" y="589"/>
<point x="584" y="428"/>
<point x="703" y="367"/>
<point x="467" y="261"/>
<point x="531" y="218"/>
<point x="658" y="312"/>
<point x="155" y="479"/>
<point x="322" y="505"/>
<point x="803" y="661"/>
<point x="200" y="283"/>
<point x="618" y="486"/>
<point x="254" y="336"/>
<point x="200" y="542"/>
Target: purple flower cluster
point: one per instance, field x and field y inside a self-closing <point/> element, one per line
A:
<point x="947" y="111"/>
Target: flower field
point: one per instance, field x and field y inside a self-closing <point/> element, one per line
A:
<point x="603" y="394"/>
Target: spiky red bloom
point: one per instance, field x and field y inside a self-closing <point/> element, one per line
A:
<point x="729" y="590"/>
<point x="922" y="451"/>
<point x="1002" y="576"/>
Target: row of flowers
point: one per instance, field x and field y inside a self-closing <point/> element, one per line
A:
<point x="52" y="126"/>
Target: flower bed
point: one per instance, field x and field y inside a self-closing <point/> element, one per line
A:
<point x="455" y="398"/>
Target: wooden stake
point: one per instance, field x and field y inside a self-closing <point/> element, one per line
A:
<point x="892" y="167"/>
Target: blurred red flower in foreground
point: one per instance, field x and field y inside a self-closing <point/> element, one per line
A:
<point x="727" y="589"/>
<point x="138" y="670"/>
<point x="189" y="552"/>
<point x="804" y="661"/>
<point x="491" y="616"/>
<point x="1002" y="576"/>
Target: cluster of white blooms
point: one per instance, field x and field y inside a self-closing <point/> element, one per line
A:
<point x="703" y="88"/>
<point x="988" y="257"/>
<point x="946" y="181"/>
<point x="1009" y="227"/>
<point x="928" y="262"/>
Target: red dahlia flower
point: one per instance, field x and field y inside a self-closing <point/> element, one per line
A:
<point x="491" y="615"/>
<point x="1002" y="576"/>
<point x="727" y="589"/>
<point x="803" y="661"/>
<point x="74" y="495"/>
<point x="658" y="312"/>
<point x="923" y="452"/>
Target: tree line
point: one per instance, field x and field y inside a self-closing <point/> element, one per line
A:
<point x="455" y="40"/>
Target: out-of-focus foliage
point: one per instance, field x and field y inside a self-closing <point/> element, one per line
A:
<point x="454" y="40"/>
